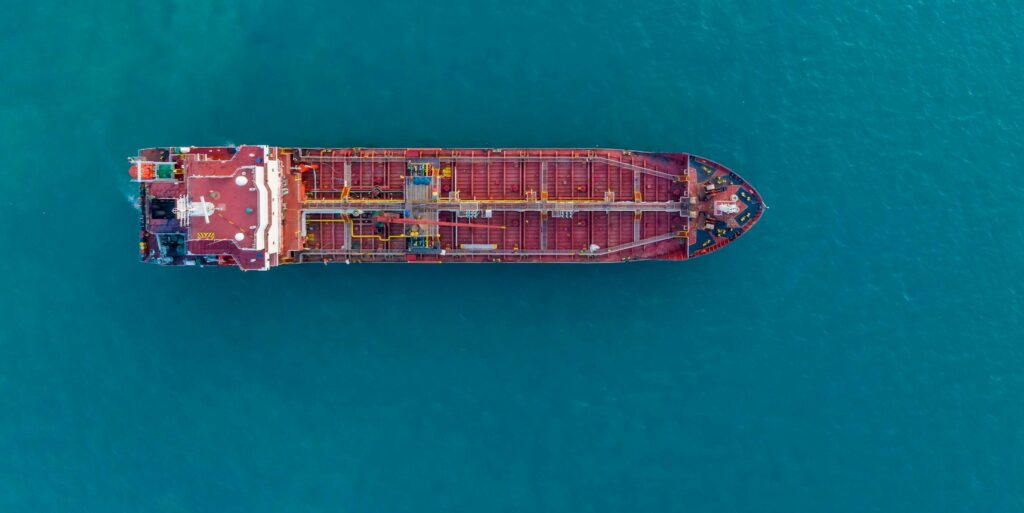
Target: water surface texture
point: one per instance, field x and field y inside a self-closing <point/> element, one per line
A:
<point x="859" y="350"/>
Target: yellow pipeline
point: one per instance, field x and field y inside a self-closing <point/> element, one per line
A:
<point x="354" y="202"/>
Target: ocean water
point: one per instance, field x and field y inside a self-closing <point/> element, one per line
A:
<point x="860" y="350"/>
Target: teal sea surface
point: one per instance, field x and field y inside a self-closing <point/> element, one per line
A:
<point x="860" y="350"/>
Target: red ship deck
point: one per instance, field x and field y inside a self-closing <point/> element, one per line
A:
<point x="442" y="205"/>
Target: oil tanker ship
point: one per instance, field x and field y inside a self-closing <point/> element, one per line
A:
<point x="257" y="207"/>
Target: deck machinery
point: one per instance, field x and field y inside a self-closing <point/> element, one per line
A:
<point x="256" y="207"/>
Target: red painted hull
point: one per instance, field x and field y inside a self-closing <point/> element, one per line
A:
<point x="257" y="206"/>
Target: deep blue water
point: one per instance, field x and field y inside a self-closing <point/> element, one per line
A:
<point x="859" y="350"/>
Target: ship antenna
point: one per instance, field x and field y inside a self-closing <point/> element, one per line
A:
<point x="206" y="213"/>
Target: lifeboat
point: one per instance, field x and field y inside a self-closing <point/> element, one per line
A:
<point x="142" y="171"/>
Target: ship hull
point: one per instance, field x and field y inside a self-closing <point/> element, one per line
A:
<point x="256" y="207"/>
